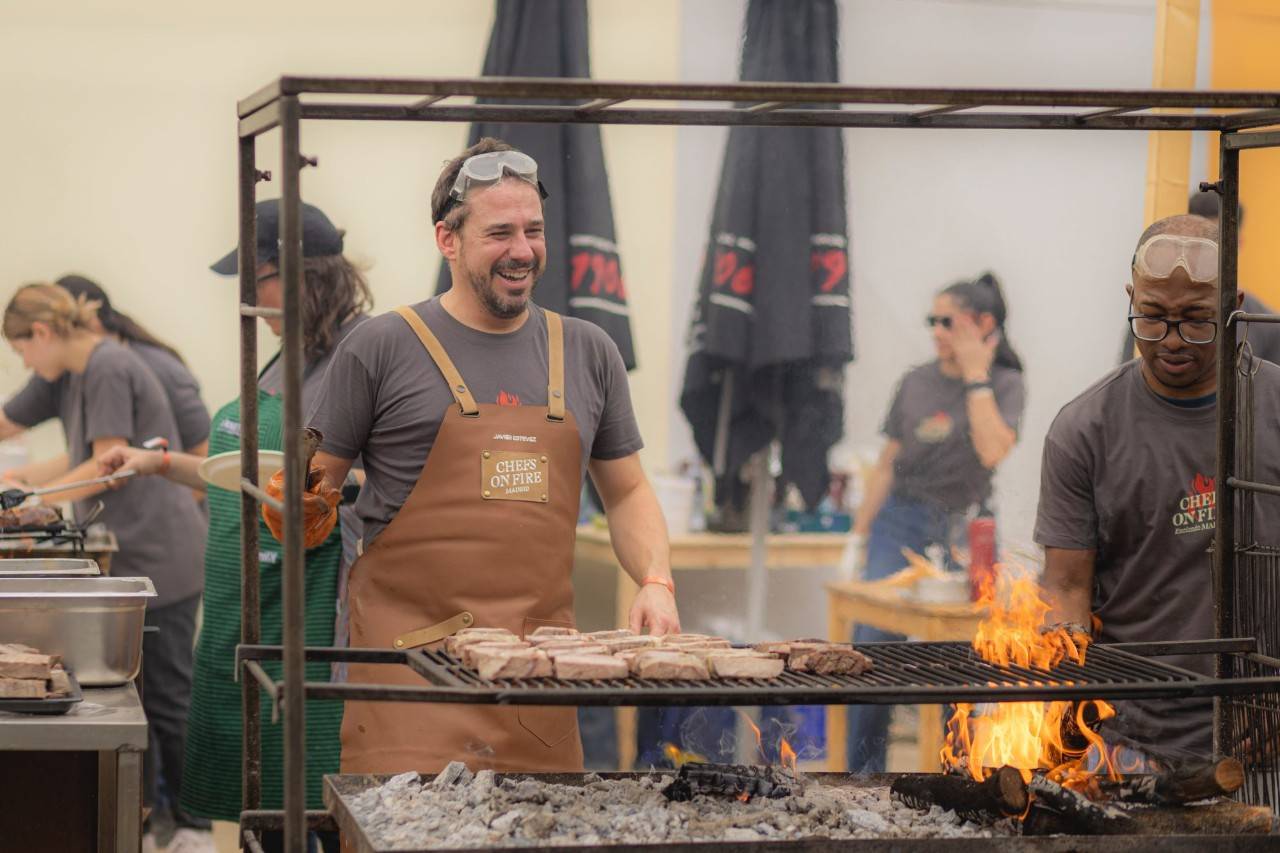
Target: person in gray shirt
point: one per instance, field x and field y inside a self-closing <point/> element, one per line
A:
<point x="1127" y="491"/>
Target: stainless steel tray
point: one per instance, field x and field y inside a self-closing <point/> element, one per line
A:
<point x="53" y="567"/>
<point x="94" y="623"/>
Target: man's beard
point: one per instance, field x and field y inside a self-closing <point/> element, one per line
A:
<point x="501" y="306"/>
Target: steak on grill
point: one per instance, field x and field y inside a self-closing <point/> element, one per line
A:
<point x="498" y="661"/>
<point x="29" y="517"/>
<point x="665" y="665"/>
<point x="579" y="667"/>
<point x="744" y="666"/>
<point x="827" y="659"/>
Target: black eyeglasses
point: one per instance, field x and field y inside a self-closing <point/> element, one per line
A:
<point x="935" y="320"/>
<point x="267" y="276"/>
<point x="1146" y="328"/>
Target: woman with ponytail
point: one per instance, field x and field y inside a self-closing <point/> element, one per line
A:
<point x="107" y="398"/>
<point x="951" y="422"/>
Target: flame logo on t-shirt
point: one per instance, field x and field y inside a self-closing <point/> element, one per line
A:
<point x="935" y="428"/>
<point x="505" y="399"/>
<point x="1197" y="509"/>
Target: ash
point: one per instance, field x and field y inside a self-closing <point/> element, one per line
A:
<point x="460" y="810"/>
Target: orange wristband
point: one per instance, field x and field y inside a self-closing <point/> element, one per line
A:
<point x="667" y="582"/>
<point x="164" y="463"/>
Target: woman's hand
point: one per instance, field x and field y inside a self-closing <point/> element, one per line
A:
<point x="974" y="353"/>
<point x="132" y="458"/>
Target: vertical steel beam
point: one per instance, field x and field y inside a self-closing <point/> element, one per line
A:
<point x="250" y="600"/>
<point x="1224" y="536"/>
<point x="295" y="824"/>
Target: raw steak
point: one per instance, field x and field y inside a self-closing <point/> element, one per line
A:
<point x="59" y="682"/>
<point x="666" y="665"/>
<point x="552" y="631"/>
<point x="622" y="644"/>
<point x="581" y="667"/>
<point x="596" y="636"/>
<point x="498" y="661"/>
<point x="467" y="653"/>
<point x="745" y="666"/>
<point x="555" y="652"/>
<point x="22" y="688"/>
<point x="453" y="645"/>
<point x="26" y="665"/>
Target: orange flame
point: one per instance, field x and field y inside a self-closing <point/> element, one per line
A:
<point x="1025" y="735"/>
<point x="788" y="756"/>
<point x="754" y="728"/>
<point x="743" y="797"/>
<point x="678" y="756"/>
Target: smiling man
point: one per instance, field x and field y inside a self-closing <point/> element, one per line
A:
<point x="1127" y="497"/>
<point x="476" y="414"/>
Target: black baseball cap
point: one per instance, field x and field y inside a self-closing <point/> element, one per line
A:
<point x="319" y="237"/>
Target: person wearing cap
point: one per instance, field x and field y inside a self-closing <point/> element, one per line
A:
<point x="336" y="299"/>
<point x="1128" y="495"/>
<point x="476" y="414"/>
<point x="106" y="397"/>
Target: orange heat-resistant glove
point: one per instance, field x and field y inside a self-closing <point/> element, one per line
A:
<point x="319" y="508"/>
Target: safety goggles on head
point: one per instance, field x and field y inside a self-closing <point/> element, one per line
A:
<point x="1162" y="254"/>
<point x="482" y="170"/>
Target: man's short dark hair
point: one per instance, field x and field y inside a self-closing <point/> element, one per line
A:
<point x="1209" y="205"/>
<point x="444" y="184"/>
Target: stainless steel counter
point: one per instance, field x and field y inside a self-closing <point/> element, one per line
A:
<point x="81" y="783"/>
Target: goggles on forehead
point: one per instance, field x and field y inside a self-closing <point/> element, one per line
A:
<point x="482" y="170"/>
<point x="1162" y="254"/>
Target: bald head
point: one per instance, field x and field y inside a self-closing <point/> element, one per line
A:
<point x="1182" y="225"/>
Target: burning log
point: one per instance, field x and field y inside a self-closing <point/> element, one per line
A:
<point x="1002" y="794"/>
<point x="1220" y="818"/>
<point x="728" y="780"/>
<point x="1076" y="811"/>
<point x="1186" y="784"/>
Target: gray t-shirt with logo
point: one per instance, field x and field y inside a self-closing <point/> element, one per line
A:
<point x="929" y="416"/>
<point x="383" y="399"/>
<point x="1131" y="475"/>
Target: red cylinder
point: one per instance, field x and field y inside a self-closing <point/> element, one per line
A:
<point x="982" y="554"/>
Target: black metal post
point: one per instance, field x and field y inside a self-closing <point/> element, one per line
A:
<point x="1224" y="537"/>
<point x="250" y="600"/>
<point x="295" y="826"/>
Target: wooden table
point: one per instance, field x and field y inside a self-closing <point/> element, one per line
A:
<point x="873" y="603"/>
<point x="702" y="552"/>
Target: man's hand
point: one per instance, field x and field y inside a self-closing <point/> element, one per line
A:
<point x="655" y="609"/>
<point x="134" y="458"/>
<point x="319" y="508"/>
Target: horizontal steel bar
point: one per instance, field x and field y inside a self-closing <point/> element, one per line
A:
<point x="259" y="99"/>
<point x="260" y="496"/>
<point x="754" y="92"/>
<point x="426" y="102"/>
<point x="1249" y="486"/>
<point x="1252" y="118"/>
<point x="268" y="684"/>
<point x="1265" y="660"/>
<point x="1101" y="114"/>
<point x="1246" y="141"/>
<point x="273" y="819"/>
<point x="329" y="654"/>
<point x="1246" y="317"/>
<point x="262" y="120"/>
<point x="259" y="311"/>
<point x="599" y="104"/>
<point x="767" y="106"/>
<point x="742" y="117"/>
<point x="943" y="110"/>
<point x="1187" y="647"/>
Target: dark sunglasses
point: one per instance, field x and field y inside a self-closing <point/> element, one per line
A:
<point x="934" y="320"/>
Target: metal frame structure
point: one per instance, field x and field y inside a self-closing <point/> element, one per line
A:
<point x="1247" y="120"/>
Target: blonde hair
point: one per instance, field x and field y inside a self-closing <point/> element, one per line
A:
<point x="48" y="304"/>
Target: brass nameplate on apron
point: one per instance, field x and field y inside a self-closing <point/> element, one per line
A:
<point x="510" y="476"/>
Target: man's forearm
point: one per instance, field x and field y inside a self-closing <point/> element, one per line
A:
<point x="639" y="535"/>
<point x="1068" y="583"/>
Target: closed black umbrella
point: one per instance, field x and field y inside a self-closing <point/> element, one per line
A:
<point x="584" y="276"/>
<point x="771" y="330"/>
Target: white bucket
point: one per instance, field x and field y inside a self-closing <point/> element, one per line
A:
<point x="675" y="496"/>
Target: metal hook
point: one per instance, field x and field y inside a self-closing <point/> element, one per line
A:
<point x="259" y="176"/>
<point x="1211" y="187"/>
<point x="305" y="161"/>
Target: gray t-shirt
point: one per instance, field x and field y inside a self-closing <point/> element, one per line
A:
<point x="37" y="401"/>
<point x="384" y="398"/>
<point x="1131" y="475"/>
<point x="929" y="416"/>
<point x="160" y="527"/>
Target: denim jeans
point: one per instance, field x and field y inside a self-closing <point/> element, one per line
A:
<point x="900" y="524"/>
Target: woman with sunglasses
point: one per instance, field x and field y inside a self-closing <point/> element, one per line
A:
<point x="951" y="422"/>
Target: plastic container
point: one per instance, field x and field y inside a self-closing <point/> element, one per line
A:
<point x="675" y="496"/>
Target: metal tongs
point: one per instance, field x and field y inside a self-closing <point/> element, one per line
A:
<point x="11" y="498"/>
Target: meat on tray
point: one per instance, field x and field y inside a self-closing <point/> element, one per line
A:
<point x="29" y="518"/>
<point x="453" y="645"/>
<point x="551" y="631"/>
<point x="25" y="673"/>
<point x="581" y="667"/>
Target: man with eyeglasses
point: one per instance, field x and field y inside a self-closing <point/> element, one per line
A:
<point x="1127" y="497"/>
<point x="476" y="414"/>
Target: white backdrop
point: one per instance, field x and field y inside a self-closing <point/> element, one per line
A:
<point x="1054" y="214"/>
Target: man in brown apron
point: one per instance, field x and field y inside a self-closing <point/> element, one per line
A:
<point x="470" y="507"/>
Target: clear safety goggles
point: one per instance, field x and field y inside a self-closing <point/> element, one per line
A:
<point x="482" y="170"/>
<point x="1162" y="254"/>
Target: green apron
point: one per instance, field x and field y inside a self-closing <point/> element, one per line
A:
<point x="212" y="781"/>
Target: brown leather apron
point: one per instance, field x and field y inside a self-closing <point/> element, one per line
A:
<point x="486" y="540"/>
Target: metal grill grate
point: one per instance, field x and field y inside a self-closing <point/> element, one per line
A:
<point x="903" y="673"/>
<point x="1255" y="719"/>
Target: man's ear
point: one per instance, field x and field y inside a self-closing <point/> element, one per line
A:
<point x="447" y="241"/>
<point x="1128" y="288"/>
<point x="1239" y="299"/>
